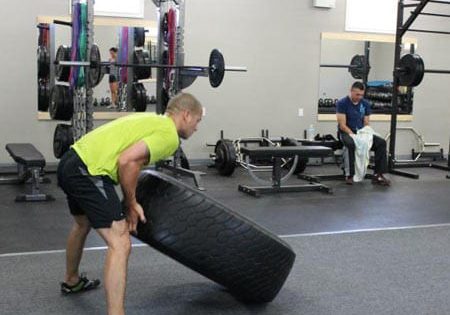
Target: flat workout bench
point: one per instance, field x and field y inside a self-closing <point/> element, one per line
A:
<point x="30" y="164"/>
<point x="277" y="154"/>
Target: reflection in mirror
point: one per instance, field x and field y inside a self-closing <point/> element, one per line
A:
<point x="337" y="73"/>
<point x="107" y="37"/>
<point x="43" y="67"/>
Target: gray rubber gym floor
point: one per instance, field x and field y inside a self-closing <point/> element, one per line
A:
<point x="393" y="259"/>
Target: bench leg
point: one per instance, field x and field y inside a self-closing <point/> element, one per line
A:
<point x="35" y="194"/>
<point x="276" y="186"/>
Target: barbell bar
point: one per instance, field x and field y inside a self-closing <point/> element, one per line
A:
<point x="215" y="70"/>
<point x="358" y="66"/>
<point x="135" y="65"/>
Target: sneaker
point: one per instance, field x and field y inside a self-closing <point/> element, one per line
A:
<point x="379" y="179"/>
<point x="84" y="284"/>
<point x="349" y="180"/>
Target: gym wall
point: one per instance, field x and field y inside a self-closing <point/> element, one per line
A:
<point x="279" y="42"/>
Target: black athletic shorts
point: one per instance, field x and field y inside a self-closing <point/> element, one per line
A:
<point x="93" y="196"/>
<point x="112" y="78"/>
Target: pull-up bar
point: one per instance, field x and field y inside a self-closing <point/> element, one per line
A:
<point x="433" y="14"/>
<point x="428" y="31"/>
<point x="434" y="1"/>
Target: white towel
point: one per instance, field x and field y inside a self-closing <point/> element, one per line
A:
<point x="363" y="142"/>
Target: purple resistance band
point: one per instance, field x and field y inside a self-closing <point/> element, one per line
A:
<point x="123" y="57"/>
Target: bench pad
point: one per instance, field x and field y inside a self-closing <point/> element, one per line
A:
<point x="26" y="154"/>
<point x="301" y="151"/>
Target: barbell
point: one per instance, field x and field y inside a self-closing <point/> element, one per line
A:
<point x="358" y="67"/>
<point x="215" y="70"/>
<point x="411" y="70"/>
<point x="227" y="156"/>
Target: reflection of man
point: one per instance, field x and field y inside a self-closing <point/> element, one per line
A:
<point x="113" y="77"/>
<point x="353" y="113"/>
<point x="111" y="154"/>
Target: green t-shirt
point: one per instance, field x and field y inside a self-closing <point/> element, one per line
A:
<point x="100" y="149"/>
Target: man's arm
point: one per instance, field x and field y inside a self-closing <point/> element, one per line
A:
<point x="129" y="164"/>
<point x="342" y="121"/>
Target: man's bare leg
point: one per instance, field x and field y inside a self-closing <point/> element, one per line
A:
<point x="119" y="247"/>
<point x="74" y="249"/>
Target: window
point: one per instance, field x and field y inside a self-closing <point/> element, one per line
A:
<point x="374" y="16"/>
<point x="118" y="8"/>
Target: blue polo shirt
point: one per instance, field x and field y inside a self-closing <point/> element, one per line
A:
<point x="353" y="113"/>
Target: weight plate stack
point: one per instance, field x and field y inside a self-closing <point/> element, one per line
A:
<point x="62" y="140"/>
<point x="61" y="103"/>
<point x="142" y="57"/>
<point x="43" y="62"/>
<point x="139" y="97"/>
<point x="139" y="36"/>
<point x="43" y="96"/>
<point x="225" y="157"/>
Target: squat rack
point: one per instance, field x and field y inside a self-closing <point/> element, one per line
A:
<point x="401" y="28"/>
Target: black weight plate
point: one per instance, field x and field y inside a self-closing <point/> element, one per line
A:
<point x="139" y="36"/>
<point x="43" y="62"/>
<point x="225" y="161"/>
<point x="62" y="140"/>
<point x="165" y="98"/>
<point x="135" y="94"/>
<point x="139" y="97"/>
<point x="142" y="57"/>
<point x="147" y="60"/>
<point x="216" y="68"/>
<point x="43" y="96"/>
<point x="62" y="72"/>
<point x="61" y="103"/>
<point x="141" y="104"/>
<point x="412" y="70"/>
<point x="95" y="73"/>
<point x="358" y="67"/>
<point x="164" y="61"/>
<point x="165" y="27"/>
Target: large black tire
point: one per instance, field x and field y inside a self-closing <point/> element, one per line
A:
<point x="211" y="239"/>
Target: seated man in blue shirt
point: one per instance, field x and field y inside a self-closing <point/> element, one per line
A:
<point x="353" y="113"/>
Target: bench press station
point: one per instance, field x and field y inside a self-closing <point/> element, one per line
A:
<point x="277" y="154"/>
<point x="30" y="164"/>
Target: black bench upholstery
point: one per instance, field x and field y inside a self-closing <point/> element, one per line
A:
<point x="26" y="154"/>
<point x="333" y="144"/>
<point x="285" y="152"/>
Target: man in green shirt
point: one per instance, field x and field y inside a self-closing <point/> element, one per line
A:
<point x="109" y="155"/>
